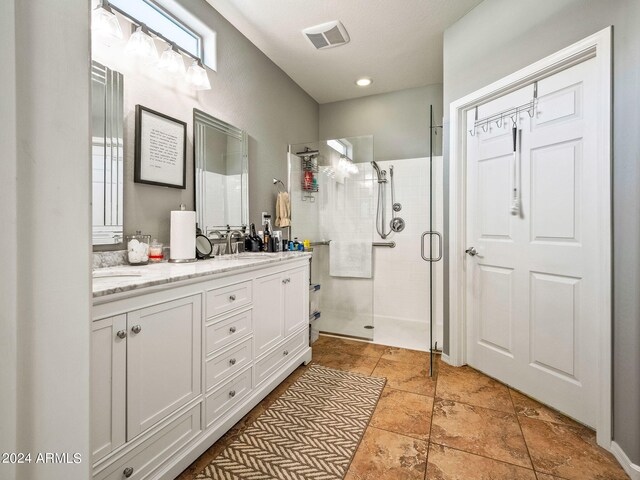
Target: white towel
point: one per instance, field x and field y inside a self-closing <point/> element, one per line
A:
<point x="350" y="259"/>
<point x="283" y="210"/>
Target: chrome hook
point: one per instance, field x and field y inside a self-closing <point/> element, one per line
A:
<point x="485" y="127"/>
<point x="531" y="111"/>
<point x="472" y="132"/>
<point x="500" y="122"/>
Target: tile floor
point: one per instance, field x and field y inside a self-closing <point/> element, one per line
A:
<point x="459" y="425"/>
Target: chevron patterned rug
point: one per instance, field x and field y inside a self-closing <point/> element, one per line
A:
<point x="311" y="432"/>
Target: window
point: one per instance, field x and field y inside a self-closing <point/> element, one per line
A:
<point x="342" y="146"/>
<point x="158" y="19"/>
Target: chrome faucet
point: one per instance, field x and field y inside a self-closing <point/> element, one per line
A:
<point x="230" y="235"/>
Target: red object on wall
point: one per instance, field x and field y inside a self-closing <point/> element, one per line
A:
<point x="308" y="180"/>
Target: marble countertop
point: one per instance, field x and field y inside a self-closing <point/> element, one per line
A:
<point x="111" y="280"/>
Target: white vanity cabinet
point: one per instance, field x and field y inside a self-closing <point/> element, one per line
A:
<point x="163" y="361"/>
<point x="174" y="367"/>
<point x="145" y="365"/>
<point x="281" y="307"/>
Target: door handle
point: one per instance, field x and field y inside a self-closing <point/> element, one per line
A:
<point x="431" y="233"/>
<point x="471" y="251"/>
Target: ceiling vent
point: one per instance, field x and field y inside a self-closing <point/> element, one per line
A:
<point x="327" y="35"/>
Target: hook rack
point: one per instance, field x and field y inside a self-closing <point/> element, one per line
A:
<point x="512" y="113"/>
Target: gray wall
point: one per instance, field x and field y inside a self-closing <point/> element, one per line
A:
<point x="45" y="299"/>
<point x="248" y="91"/>
<point x="398" y="121"/>
<point x="499" y="37"/>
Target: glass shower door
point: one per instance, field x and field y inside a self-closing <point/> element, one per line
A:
<point x="433" y="252"/>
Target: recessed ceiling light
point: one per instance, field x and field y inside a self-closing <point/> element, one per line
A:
<point x="364" y="82"/>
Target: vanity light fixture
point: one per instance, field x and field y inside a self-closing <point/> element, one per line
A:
<point x="197" y="76"/>
<point x="171" y="61"/>
<point x="142" y="45"/>
<point x="104" y="21"/>
<point x="364" y="82"/>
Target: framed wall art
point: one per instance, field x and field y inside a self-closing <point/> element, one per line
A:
<point x="160" y="149"/>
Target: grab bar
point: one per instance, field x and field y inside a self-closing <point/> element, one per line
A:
<point x="375" y="244"/>
<point x="384" y="244"/>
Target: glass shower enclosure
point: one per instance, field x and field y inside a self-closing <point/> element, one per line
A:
<point x="331" y="187"/>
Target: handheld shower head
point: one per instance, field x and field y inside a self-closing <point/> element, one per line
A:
<point x="381" y="174"/>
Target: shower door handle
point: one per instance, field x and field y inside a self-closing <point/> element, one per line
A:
<point x="437" y="234"/>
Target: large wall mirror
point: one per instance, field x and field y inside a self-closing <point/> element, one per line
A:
<point x="221" y="174"/>
<point x="107" y="154"/>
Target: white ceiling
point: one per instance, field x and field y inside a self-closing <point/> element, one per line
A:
<point x="398" y="43"/>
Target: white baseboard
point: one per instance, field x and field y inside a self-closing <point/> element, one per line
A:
<point x="445" y="358"/>
<point x="631" y="468"/>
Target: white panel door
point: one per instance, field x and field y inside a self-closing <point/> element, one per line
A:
<point x="108" y="384"/>
<point x="163" y="361"/>
<point x="531" y="288"/>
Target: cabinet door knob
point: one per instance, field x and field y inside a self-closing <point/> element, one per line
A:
<point x="232" y="329"/>
<point x="232" y="297"/>
<point x="232" y="361"/>
<point x="285" y="353"/>
<point x="127" y="472"/>
<point x="121" y="334"/>
<point x="284" y="280"/>
<point x="232" y="393"/>
<point x="136" y="329"/>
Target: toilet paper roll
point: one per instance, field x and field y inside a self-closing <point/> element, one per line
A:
<point x="183" y="235"/>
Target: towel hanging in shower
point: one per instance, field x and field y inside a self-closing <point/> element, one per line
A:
<point x="350" y="258"/>
<point x="283" y="210"/>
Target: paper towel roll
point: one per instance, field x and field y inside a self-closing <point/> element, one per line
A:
<point x="183" y="235"/>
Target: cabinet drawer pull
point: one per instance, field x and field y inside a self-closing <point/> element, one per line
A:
<point x="121" y="334"/>
<point x="285" y="353"/>
<point x="232" y="298"/>
<point x="232" y="393"/>
<point x="136" y="329"/>
<point x="232" y="361"/>
<point x="232" y="329"/>
<point x="127" y="472"/>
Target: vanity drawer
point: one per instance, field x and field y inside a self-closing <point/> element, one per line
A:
<point x="228" y="395"/>
<point x="274" y="360"/>
<point x="227" y="363"/>
<point x="227" y="298"/>
<point x="221" y="333"/>
<point x="149" y="456"/>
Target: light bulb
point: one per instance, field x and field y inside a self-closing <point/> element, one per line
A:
<point x="171" y="61"/>
<point x="141" y="45"/>
<point x="104" y="22"/>
<point x="197" y="76"/>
